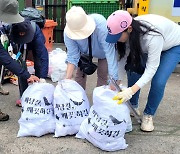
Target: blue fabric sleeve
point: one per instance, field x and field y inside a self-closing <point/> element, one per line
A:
<point x="109" y="49"/>
<point x="12" y="65"/>
<point x="73" y="53"/>
<point x="40" y="52"/>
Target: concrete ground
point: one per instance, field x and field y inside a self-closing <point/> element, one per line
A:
<point x="165" y="139"/>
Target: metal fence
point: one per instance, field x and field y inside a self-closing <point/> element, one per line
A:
<point x="52" y="9"/>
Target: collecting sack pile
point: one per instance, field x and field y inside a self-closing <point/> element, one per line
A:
<point x="37" y="116"/>
<point x="107" y="122"/>
<point x="71" y="107"/>
<point x="57" y="65"/>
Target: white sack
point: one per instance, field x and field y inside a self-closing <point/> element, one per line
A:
<point x="71" y="107"/>
<point x="106" y="124"/>
<point x="37" y="117"/>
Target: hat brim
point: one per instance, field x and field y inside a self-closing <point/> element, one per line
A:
<point x="28" y="37"/>
<point x="113" y="38"/>
<point x="83" y="33"/>
<point x="11" y="18"/>
<point x="24" y="39"/>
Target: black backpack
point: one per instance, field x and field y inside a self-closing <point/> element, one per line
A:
<point x="35" y="15"/>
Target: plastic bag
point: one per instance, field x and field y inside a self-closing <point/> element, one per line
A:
<point x="57" y="65"/>
<point x="37" y="116"/>
<point x="71" y="107"/>
<point x="106" y="124"/>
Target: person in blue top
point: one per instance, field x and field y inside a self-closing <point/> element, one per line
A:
<point x="79" y="26"/>
<point x="9" y="14"/>
<point x="29" y="33"/>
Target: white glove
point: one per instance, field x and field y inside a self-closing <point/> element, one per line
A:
<point x="3" y="38"/>
<point x="125" y="95"/>
<point x="42" y="80"/>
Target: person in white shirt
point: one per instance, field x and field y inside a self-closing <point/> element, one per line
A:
<point x="149" y="48"/>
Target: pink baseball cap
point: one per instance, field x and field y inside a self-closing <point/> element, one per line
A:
<point x="117" y="22"/>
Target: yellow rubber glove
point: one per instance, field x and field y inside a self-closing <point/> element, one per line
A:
<point x="124" y="96"/>
<point x="117" y="98"/>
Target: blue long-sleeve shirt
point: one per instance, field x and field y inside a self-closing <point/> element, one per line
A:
<point x="100" y="48"/>
<point x="37" y="45"/>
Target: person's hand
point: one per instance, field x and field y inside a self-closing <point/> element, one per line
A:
<point x="42" y="80"/>
<point x="33" y="78"/>
<point x="124" y="96"/>
<point x="112" y="87"/>
<point x="69" y="71"/>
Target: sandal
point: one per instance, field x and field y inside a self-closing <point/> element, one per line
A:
<point x="18" y="103"/>
<point x="2" y="91"/>
<point x="3" y="116"/>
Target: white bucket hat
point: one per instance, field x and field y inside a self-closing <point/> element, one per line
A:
<point x="9" y="11"/>
<point x="78" y="24"/>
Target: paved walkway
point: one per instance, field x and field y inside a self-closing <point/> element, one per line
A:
<point x="164" y="140"/>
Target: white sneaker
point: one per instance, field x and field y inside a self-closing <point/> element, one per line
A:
<point x="137" y="110"/>
<point x="147" y="123"/>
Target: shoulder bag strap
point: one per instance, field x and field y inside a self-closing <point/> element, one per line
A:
<point x="33" y="24"/>
<point x="90" y="49"/>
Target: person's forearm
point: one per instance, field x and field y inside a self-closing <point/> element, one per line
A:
<point x="70" y="70"/>
<point x="135" y="88"/>
<point x="12" y="65"/>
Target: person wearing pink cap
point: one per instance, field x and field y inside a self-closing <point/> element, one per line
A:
<point x="149" y="48"/>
